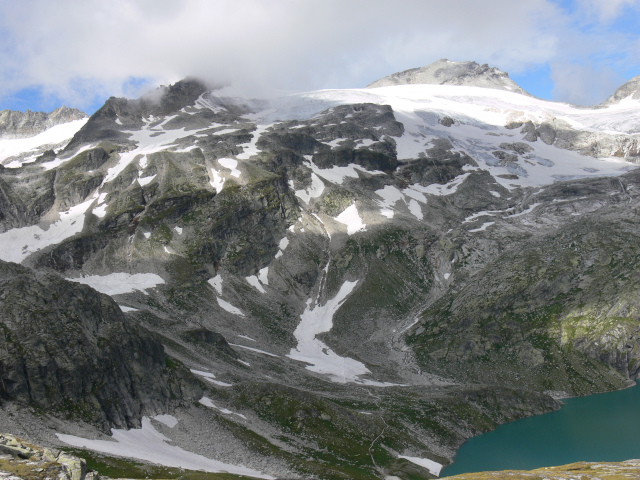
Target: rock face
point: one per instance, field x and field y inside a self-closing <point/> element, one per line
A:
<point x="446" y="72"/>
<point x="65" y="347"/>
<point x="15" y="124"/>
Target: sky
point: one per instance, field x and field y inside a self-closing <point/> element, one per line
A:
<point x="81" y="52"/>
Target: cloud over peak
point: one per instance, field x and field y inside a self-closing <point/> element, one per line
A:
<point x="77" y="50"/>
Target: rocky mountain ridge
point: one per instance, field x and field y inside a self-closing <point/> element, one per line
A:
<point x="15" y="124"/>
<point x="359" y="277"/>
<point x="447" y="72"/>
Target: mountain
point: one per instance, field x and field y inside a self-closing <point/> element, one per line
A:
<point x="628" y="91"/>
<point x="358" y="280"/>
<point x="15" y="124"/>
<point x="446" y="72"/>
<point x="27" y="136"/>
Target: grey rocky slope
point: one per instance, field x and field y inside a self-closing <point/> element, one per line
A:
<point x="357" y="278"/>
<point x="447" y="72"/>
<point x="15" y="124"/>
<point x="65" y="347"/>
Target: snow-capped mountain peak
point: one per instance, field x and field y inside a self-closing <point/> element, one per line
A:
<point x="630" y="90"/>
<point x="447" y="72"/>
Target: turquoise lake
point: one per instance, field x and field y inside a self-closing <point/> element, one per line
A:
<point x="603" y="427"/>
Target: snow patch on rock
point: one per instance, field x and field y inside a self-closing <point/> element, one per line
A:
<point x="120" y="282"/>
<point x="19" y="243"/>
<point x="229" y="308"/>
<point x="351" y="218"/>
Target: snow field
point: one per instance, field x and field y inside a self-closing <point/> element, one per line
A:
<point x="150" y="139"/>
<point x="216" y="282"/>
<point x="433" y="467"/>
<point x="263" y="275"/>
<point x="230" y="164"/>
<point x="254" y="281"/>
<point x="19" y="243"/>
<point x="52" y="136"/>
<point x="476" y="112"/>
<point x="148" y="444"/>
<point x="125" y="309"/>
<point x="250" y="149"/>
<point x="351" y="218"/>
<point x="119" y="283"/>
<point x="218" y="181"/>
<point x="391" y="195"/>
<point x="321" y="359"/>
<point x="314" y="191"/>
<point x="101" y="210"/>
<point x="144" y="181"/>
<point x="169" y="420"/>
<point x="282" y="245"/>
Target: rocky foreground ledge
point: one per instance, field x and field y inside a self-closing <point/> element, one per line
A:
<point x="578" y="470"/>
<point x="20" y="460"/>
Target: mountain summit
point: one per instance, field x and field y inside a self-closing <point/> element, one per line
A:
<point x="446" y="72"/>
<point x="629" y="89"/>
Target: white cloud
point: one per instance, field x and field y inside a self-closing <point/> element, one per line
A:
<point x="582" y="84"/>
<point x="287" y="44"/>
<point x="605" y="10"/>
<point x="79" y="49"/>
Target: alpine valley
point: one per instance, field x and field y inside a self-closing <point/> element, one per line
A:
<point x="331" y="284"/>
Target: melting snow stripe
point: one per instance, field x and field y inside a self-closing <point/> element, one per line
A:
<point x="210" y="377"/>
<point x="118" y="283"/>
<point x="254" y="350"/>
<point x="229" y="308"/>
<point x="482" y="228"/>
<point x="206" y="401"/>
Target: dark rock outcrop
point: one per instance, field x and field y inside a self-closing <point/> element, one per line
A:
<point x="163" y="101"/>
<point x="65" y="347"/>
